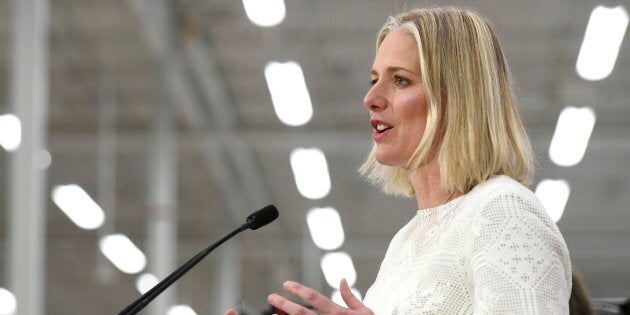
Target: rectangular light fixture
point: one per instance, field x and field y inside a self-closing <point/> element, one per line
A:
<point x="602" y="40"/>
<point x="8" y="303"/>
<point x="181" y="309"/>
<point x="338" y="266"/>
<point x="571" y="136"/>
<point x="289" y="94"/>
<point x="123" y="253"/>
<point x="553" y="194"/>
<point x="310" y="171"/>
<point x="10" y="132"/>
<point x="146" y="282"/>
<point x="325" y="227"/>
<point x="265" y="13"/>
<point x="78" y="206"/>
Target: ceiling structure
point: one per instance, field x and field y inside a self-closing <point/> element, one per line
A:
<point x="205" y="60"/>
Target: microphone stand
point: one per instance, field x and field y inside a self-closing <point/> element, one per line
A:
<point x="146" y="298"/>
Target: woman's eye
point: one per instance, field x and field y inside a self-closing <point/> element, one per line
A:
<point x="400" y="80"/>
<point x="372" y="82"/>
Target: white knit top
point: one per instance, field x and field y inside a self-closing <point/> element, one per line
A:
<point x="493" y="250"/>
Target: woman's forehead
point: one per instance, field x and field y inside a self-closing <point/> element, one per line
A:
<point x="398" y="49"/>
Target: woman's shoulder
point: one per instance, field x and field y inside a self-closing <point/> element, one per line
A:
<point x="513" y="241"/>
<point x="501" y="185"/>
<point x="502" y="197"/>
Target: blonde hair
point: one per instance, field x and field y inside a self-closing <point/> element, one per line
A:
<point x="473" y="127"/>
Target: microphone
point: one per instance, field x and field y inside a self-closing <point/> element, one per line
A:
<point x="262" y="217"/>
<point x="254" y="221"/>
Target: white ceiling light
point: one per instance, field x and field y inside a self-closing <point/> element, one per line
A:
<point x="310" y="171"/>
<point x="553" y="194"/>
<point x="336" y="267"/>
<point x="7" y="302"/>
<point x="181" y="309"/>
<point x="146" y="282"/>
<point x="78" y="206"/>
<point x="602" y="40"/>
<point x="570" y="139"/>
<point x="289" y="94"/>
<point x="325" y="227"/>
<point x="336" y="296"/>
<point x="265" y="13"/>
<point x="10" y="132"/>
<point x="123" y="253"/>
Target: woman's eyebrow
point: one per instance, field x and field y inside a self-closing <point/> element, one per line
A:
<point x="392" y="69"/>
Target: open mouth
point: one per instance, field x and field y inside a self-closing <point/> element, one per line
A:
<point x="380" y="127"/>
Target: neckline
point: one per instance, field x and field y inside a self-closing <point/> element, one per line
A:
<point x="453" y="202"/>
<point x="450" y="204"/>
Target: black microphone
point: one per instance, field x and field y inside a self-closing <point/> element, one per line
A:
<point x="254" y="221"/>
<point x="261" y="217"/>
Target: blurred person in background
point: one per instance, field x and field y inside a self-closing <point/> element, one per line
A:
<point x="579" y="302"/>
<point x="447" y="131"/>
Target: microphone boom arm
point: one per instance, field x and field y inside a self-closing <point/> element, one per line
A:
<point x="147" y="297"/>
<point x="254" y="221"/>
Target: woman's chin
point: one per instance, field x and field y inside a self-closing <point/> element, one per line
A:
<point x="385" y="160"/>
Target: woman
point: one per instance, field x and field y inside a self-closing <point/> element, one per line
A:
<point x="446" y="129"/>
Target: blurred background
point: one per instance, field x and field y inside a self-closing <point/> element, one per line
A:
<point x="135" y="133"/>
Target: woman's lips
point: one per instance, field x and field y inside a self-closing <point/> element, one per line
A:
<point x="378" y="135"/>
<point x="381" y="128"/>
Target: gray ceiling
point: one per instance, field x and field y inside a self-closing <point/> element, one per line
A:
<point x="206" y="60"/>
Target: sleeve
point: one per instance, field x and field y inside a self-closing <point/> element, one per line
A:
<point x="519" y="261"/>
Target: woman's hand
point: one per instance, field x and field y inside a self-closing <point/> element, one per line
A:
<point x="317" y="300"/>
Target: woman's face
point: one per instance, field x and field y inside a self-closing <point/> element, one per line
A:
<point x="396" y="100"/>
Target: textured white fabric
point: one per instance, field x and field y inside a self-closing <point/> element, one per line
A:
<point x="491" y="251"/>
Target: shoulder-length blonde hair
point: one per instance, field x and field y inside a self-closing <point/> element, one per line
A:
<point x="473" y="126"/>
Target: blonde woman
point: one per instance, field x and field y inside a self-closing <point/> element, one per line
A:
<point x="447" y="131"/>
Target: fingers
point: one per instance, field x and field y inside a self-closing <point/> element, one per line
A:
<point x="312" y="297"/>
<point x="351" y="301"/>
<point x="231" y="312"/>
<point x="288" y="306"/>
<point x="317" y="300"/>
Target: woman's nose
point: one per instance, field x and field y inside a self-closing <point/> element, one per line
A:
<point x="375" y="99"/>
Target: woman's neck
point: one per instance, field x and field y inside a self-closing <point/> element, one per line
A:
<point x="426" y="182"/>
